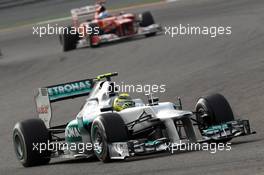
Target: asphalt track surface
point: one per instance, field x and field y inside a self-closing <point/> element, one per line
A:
<point x="190" y="66"/>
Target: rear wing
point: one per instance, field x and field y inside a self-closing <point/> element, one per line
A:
<point x="85" y="11"/>
<point x="48" y="95"/>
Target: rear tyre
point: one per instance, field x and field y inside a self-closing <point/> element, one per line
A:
<point x="26" y="134"/>
<point x="69" y="39"/>
<point x="107" y="128"/>
<point x="147" y="20"/>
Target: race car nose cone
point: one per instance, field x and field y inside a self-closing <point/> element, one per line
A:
<point x="166" y="114"/>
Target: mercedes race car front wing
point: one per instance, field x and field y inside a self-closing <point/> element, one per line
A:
<point x="215" y="134"/>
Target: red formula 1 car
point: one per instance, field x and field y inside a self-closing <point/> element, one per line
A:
<point x="104" y="28"/>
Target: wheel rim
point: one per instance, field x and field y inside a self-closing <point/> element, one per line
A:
<point x="98" y="141"/>
<point x="18" y="147"/>
<point x="203" y="124"/>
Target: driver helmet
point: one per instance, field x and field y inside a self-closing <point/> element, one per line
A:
<point x="103" y="14"/>
<point x="123" y="101"/>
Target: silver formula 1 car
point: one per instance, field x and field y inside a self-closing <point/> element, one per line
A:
<point x="109" y="134"/>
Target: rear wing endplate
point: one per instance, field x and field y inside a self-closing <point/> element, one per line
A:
<point x="47" y="95"/>
<point x="83" y="11"/>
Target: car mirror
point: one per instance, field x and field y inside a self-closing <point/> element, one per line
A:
<point x="108" y="108"/>
<point x="153" y="101"/>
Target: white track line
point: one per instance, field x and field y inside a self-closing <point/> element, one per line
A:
<point x="68" y="18"/>
<point x="54" y="20"/>
<point x="131" y="7"/>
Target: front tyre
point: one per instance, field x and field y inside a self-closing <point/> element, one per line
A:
<point x="69" y="39"/>
<point x="106" y="129"/>
<point x="26" y="134"/>
<point x="213" y="110"/>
